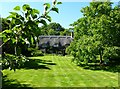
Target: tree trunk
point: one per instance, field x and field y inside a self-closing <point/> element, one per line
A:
<point x="63" y="52"/>
<point x="101" y="59"/>
<point x="16" y="46"/>
<point x="37" y="42"/>
<point x="101" y="52"/>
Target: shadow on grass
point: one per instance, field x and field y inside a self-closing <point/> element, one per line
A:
<point x="111" y="67"/>
<point x="37" y="64"/>
<point x="31" y="64"/>
<point x="13" y="84"/>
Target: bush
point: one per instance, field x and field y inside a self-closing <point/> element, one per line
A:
<point x="35" y="52"/>
<point x="12" y="61"/>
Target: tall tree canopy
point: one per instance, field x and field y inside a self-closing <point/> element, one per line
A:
<point x="97" y="33"/>
<point x="54" y="29"/>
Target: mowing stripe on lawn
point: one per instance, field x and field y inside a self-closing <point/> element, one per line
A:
<point x="85" y="74"/>
<point x="64" y="74"/>
<point x="64" y="80"/>
<point x="73" y="79"/>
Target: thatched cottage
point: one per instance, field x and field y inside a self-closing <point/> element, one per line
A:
<point x="54" y="44"/>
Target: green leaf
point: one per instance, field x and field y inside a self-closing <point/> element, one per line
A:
<point x="49" y="18"/>
<point x="32" y="40"/>
<point x="36" y="11"/>
<point x="5" y="40"/>
<point x="27" y="15"/>
<point x="17" y="22"/>
<point x="59" y="2"/>
<point x="25" y="7"/>
<point x="55" y="9"/>
<point x="1" y="35"/>
<point x="43" y="22"/>
<point x="34" y="16"/>
<point x="10" y="16"/>
<point x="54" y="2"/>
<point x="13" y="40"/>
<point x="17" y="8"/>
<point x="13" y="13"/>
<point x="47" y="6"/>
<point x="7" y="31"/>
<point x="22" y="18"/>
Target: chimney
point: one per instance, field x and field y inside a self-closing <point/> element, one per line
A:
<point x="72" y="32"/>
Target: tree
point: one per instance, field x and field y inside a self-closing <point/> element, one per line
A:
<point x="96" y="33"/>
<point x="22" y="26"/>
<point x="66" y="32"/>
<point x="52" y="29"/>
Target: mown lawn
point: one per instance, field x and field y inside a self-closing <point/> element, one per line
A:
<point x="58" y="71"/>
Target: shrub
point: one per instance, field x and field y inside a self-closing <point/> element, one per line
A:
<point x="12" y="61"/>
<point x="35" y="52"/>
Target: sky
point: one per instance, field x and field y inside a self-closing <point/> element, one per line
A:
<point x="69" y="11"/>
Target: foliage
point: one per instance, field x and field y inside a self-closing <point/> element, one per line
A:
<point x="35" y="52"/>
<point x="65" y="32"/>
<point x="5" y="23"/>
<point x="54" y="29"/>
<point x="12" y="62"/>
<point x="20" y="28"/>
<point x="96" y="33"/>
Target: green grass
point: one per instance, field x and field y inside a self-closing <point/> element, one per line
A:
<point x="58" y="71"/>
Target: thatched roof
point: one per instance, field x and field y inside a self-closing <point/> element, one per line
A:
<point x="54" y="41"/>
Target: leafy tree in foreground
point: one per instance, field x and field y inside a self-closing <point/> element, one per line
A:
<point x="22" y="27"/>
<point x="96" y="33"/>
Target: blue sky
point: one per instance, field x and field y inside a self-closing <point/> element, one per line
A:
<point x="68" y="11"/>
